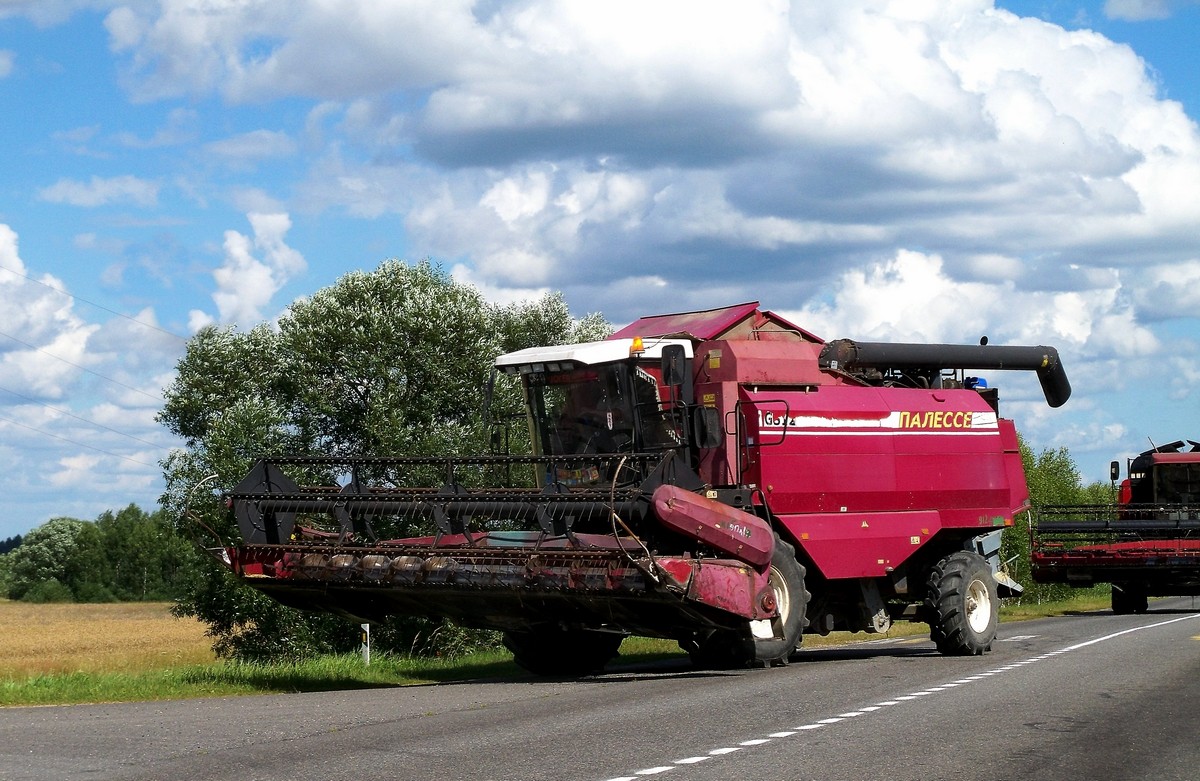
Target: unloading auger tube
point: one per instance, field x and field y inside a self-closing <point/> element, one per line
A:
<point x="849" y="356"/>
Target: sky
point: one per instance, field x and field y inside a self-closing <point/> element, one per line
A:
<point x="917" y="170"/>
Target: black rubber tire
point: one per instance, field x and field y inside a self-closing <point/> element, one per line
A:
<point x="721" y="650"/>
<point x="554" y="652"/>
<point x="961" y="605"/>
<point x="733" y="649"/>
<point x="1129" y="598"/>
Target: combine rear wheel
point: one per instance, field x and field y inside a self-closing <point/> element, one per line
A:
<point x="769" y="641"/>
<point x="562" y="653"/>
<point x="1128" y="598"/>
<point x="962" y="605"/>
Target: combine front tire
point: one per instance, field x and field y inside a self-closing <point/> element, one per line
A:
<point x="769" y="641"/>
<point x="1128" y="598"/>
<point x="562" y="653"/>
<point x="962" y="605"/>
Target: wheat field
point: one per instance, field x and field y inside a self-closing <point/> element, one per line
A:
<point x="96" y="638"/>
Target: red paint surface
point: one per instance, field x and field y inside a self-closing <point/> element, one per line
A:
<point x="725" y="528"/>
<point x="1119" y="553"/>
<point x="730" y="586"/>
<point x="861" y="486"/>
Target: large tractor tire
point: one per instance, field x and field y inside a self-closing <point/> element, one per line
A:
<point x="768" y="642"/>
<point x="554" y="652"/>
<point x="961" y="604"/>
<point x="1128" y="598"/>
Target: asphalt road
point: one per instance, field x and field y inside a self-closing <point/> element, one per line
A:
<point x="1091" y="696"/>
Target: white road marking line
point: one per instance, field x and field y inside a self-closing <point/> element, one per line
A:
<point x="1085" y="644"/>
<point x="896" y="701"/>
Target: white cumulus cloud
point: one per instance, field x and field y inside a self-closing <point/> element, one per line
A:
<point x="880" y="169"/>
<point x="100" y="191"/>
<point x="253" y="146"/>
<point x="246" y="281"/>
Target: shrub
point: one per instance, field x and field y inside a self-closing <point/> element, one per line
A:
<point x="48" y="591"/>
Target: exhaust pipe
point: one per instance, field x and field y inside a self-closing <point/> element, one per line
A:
<point x="847" y="355"/>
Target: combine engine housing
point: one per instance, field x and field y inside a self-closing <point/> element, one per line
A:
<point x="723" y="478"/>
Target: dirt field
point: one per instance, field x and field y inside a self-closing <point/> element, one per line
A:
<point x="125" y="637"/>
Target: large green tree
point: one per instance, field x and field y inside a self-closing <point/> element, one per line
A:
<point x="142" y="557"/>
<point x="1053" y="479"/>
<point x="391" y="362"/>
<point x="47" y="560"/>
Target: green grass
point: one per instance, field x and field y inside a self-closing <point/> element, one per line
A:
<point x="326" y="673"/>
<point x="347" y="671"/>
<point x="1082" y="602"/>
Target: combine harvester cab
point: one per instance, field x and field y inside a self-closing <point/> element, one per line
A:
<point x="721" y="478"/>
<point x="1147" y="544"/>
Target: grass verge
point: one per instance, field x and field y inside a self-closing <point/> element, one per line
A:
<point x="70" y="654"/>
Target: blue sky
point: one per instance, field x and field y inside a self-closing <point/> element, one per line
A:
<point x="917" y="171"/>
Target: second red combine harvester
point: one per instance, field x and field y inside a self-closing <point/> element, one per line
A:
<point x="721" y="478"/>
<point x="1147" y="544"/>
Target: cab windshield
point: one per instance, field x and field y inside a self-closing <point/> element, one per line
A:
<point x="613" y="408"/>
<point x="1177" y="483"/>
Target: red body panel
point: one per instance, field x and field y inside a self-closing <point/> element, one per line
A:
<point x="878" y="541"/>
<point x="726" y="528"/>
<point x="863" y="477"/>
<point x="742" y="591"/>
<point x="741" y="321"/>
<point x="1165" y="566"/>
<point x="1121" y="552"/>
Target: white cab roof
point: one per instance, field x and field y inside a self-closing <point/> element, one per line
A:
<point x="590" y="353"/>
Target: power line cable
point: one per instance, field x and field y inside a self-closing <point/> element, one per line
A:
<point x="78" y="444"/>
<point x="77" y="417"/>
<point x="93" y="303"/>
<point x="84" y="368"/>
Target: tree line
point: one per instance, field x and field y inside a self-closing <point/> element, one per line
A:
<point x="129" y="555"/>
<point x="391" y="362"/>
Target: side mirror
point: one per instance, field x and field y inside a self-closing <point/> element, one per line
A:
<point x="706" y="427"/>
<point x="1114" y="471"/>
<point x="674" y="362"/>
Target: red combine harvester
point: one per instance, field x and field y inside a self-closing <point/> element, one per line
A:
<point x="721" y="478"/>
<point x="1146" y="545"/>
